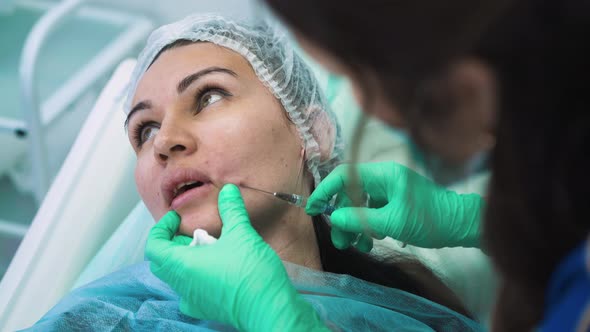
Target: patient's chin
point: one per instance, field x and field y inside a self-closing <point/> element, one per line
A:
<point x="206" y="218"/>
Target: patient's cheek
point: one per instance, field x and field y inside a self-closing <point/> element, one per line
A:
<point x="149" y="192"/>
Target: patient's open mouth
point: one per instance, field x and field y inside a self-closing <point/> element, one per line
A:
<point x="183" y="187"/>
<point x="188" y="192"/>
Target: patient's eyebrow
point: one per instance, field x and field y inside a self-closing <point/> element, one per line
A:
<point x="190" y="79"/>
<point x="142" y="105"/>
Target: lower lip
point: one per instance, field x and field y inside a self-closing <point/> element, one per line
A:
<point x="190" y="195"/>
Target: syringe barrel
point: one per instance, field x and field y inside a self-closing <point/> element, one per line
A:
<point x="329" y="210"/>
<point x="289" y="198"/>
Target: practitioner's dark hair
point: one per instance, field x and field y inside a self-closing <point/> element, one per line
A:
<point x="538" y="51"/>
<point x="538" y="209"/>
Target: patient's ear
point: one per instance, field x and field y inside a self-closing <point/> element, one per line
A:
<point x="323" y="129"/>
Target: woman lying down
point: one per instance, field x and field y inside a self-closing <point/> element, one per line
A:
<point x="212" y="102"/>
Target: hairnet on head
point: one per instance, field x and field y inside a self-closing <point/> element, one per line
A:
<point x="274" y="60"/>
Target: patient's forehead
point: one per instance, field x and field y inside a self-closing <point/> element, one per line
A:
<point x="176" y="63"/>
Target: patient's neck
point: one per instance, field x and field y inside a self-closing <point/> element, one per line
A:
<point x="293" y="238"/>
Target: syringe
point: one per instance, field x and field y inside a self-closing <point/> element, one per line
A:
<point x="293" y="199"/>
<point x="301" y="201"/>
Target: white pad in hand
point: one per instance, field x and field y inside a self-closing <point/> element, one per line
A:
<point x="201" y="237"/>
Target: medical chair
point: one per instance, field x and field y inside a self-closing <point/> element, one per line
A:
<point x="92" y="193"/>
<point x="92" y="222"/>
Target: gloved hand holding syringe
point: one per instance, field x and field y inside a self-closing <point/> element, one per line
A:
<point x="405" y="206"/>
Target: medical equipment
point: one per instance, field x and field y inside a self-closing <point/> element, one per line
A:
<point x="48" y="83"/>
<point x="301" y="201"/>
<point x="294" y="199"/>
<point x="57" y="240"/>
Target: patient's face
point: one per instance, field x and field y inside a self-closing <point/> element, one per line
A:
<point x="204" y="119"/>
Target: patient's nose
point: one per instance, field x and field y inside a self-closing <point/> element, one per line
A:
<point x="173" y="140"/>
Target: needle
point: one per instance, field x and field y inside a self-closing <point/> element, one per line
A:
<point x="293" y="199"/>
<point x="260" y="190"/>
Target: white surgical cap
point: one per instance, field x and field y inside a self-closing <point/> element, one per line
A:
<point x="277" y="65"/>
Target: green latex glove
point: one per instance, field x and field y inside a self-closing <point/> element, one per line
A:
<point x="238" y="280"/>
<point x="343" y="239"/>
<point x="403" y="205"/>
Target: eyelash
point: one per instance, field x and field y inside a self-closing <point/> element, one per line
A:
<point x="199" y="94"/>
<point x="139" y="129"/>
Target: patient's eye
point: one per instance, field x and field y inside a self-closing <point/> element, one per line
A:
<point x="211" y="98"/>
<point x="148" y="132"/>
<point x="208" y="96"/>
<point x="144" y="132"/>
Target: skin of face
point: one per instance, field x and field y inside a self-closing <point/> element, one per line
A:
<point x="231" y="129"/>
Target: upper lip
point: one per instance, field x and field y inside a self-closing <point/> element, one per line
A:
<point x="178" y="177"/>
